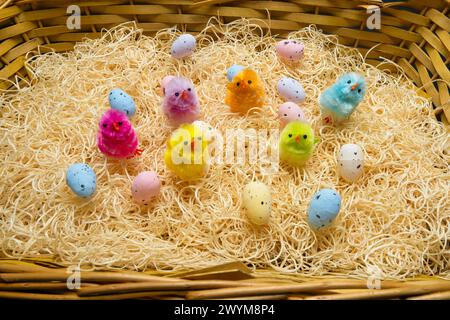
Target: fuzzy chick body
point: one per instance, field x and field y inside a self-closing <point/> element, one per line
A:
<point x="297" y="142"/>
<point x="116" y="137"/>
<point x="180" y="104"/>
<point x="245" y="92"/>
<point x="339" y="101"/>
<point x="186" y="152"/>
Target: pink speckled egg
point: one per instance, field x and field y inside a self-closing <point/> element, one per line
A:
<point x="145" y="186"/>
<point x="164" y="83"/>
<point x="290" y="111"/>
<point x="290" y="50"/>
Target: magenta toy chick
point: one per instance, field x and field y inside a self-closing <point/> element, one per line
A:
<point x="116" y="137"/>
<point x="180" y="104"/>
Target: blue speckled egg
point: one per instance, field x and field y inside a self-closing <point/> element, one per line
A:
<point x="323" y="208"/>
<point x="234" y="70"/>
<point x="183" y="46"/>
<point x="120" y="100"/>
<point x="81" y="179"/>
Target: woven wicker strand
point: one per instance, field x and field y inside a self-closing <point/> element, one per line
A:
<point x="32" y="281"/>
<point x="415" y="36"/>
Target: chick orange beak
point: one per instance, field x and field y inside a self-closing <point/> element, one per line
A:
<point x="355" y="86"/>
<point x="192" y="144"/>
<point x="297" y="139"/>
<point x="243" y="85"/>
<point x="116" y="126"/>
<point x="184" y="95"/>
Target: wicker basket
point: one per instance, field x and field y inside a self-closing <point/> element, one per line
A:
<point x="414" y="34"/>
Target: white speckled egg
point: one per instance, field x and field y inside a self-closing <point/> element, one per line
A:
<point x="81" y="179"/>
<point x="145" y="186"/>
<point x="323" y="208"/>
<point x="257" y="201"/>
<point x="183" y="46"/>
<point x="120" y="100"/>
<point x="350" y="162"/>
<point x="234" y="70"/>
<point x="164" y="83"/>
<point x="290" y="111"/>
<point x="290" y="50"/>
<point x="291" y="90"/>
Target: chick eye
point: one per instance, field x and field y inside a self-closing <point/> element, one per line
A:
<point x="189" y="89"/>
<point x="185" y="143"/>
<point x="305" y="136"/>
<point x="105" y="125"/>
<point x="359" y="90"/>
<point x="120" y="123"/>
<point x="177" y="94"/>
<point x="238" y="84"/>
<point x="290" y="135"/>
<point x="249" y="81"/>
<point x="199" y="138"/>
<point x="349" y="81"/>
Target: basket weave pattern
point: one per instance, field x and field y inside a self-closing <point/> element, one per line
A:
<point x="414" y="35"/>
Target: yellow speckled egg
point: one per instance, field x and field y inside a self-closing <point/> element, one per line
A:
<point x="257" y="201"/>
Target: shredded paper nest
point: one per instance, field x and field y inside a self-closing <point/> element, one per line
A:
<point x="394" y="220"/>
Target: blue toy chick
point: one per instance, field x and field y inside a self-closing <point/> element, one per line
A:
<point x="340" y="100"/>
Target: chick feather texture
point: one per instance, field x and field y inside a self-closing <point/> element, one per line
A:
<point x="339" y="101"/>
<point x="180" y="103"/>
<point x="116" y="137"/>
<point x="186" y="152"/>
<point x="297" y="142"/>
<point x="244" y="92"/>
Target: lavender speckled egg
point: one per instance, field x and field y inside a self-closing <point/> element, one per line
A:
<point x="145" y="186"/>
<point x="290" y="50"/>
<point x="183" y="46"/>
<point x="323" y="208"/>
<point x="350" y="162"/>
<point x="164" y="83"/>
<point x="291" y="90"/>
<point x="290" y="111"/>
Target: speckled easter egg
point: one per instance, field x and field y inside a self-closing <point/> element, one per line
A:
<point x="257" y="201"/>
<point x="234" y="70"/>
<point x="120" y="100"/>
<point x="290" y="111"/>
<point x="323" y="208"/>
<point x="290" y="50"/>
<point x="208" y="131"/>
<point x="183" y="46"/>
<point x="291" y="90"/>
<point x="81" y="179"/>
<point x="145" y="186"/>
<point x="164" y="83"/>
<point x="350" y="162"/>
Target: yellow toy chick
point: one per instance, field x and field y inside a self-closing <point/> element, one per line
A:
<point x="244" y="92"/>
<point x="186" y="152"/>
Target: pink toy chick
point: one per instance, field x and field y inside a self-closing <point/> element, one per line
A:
<point x="116" y="137"/>
<point x="180" y="103"/>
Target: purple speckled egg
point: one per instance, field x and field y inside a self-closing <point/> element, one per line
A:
<point x="290" y="111"/>
<point x="290" y="50"/>
<point x="145" y="186"/>
<point x="164" y="83"/>
<point x="291" y="90"/>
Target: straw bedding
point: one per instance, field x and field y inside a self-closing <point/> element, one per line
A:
<point x="394" y="221"/>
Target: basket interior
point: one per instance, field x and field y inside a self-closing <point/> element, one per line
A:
<point x="414" y="34"/>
